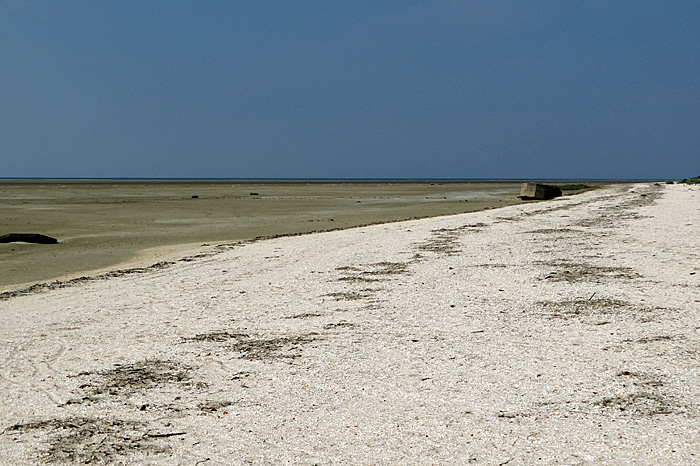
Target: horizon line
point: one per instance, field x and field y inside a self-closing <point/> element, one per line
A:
<point x="41" y="178"/>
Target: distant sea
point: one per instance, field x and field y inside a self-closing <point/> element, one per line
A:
<point x="328" y="180"/>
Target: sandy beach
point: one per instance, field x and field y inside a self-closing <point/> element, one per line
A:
<point x="563" y="332"/>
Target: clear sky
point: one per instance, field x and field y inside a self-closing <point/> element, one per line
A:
<point x="350" y="89"/>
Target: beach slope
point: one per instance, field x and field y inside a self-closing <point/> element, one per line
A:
<point x="561" y="332"/>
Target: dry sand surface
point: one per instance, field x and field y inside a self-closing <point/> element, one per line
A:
<point x="564" y="332"/>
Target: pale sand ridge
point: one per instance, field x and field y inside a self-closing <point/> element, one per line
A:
<point x="563" y="332"/>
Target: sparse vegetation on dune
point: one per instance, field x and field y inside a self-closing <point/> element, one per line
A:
<point x="695" y="180"/>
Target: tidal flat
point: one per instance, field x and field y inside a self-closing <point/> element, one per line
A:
<point x="107" y="224"/>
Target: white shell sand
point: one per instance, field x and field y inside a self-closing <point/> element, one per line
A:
<point x="563" y="332"/>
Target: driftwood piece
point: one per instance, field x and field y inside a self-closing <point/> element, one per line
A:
<point x="27" y="238"/>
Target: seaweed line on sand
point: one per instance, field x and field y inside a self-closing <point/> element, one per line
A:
<point x="261" y="348"/>
<point x="125" y="380"/>
<point x="93" y="440"/>
<point x="54" y="285"/>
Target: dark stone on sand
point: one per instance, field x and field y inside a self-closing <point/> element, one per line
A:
<point x="27" y="238"/>
<point x="531" y="191"/>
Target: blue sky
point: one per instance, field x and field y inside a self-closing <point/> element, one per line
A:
<point x="356" y="89"/>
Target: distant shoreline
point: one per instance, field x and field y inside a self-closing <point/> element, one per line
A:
<point x="40" y="180"/>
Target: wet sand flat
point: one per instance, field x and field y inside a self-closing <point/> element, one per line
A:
<point x="107" y="224"/>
